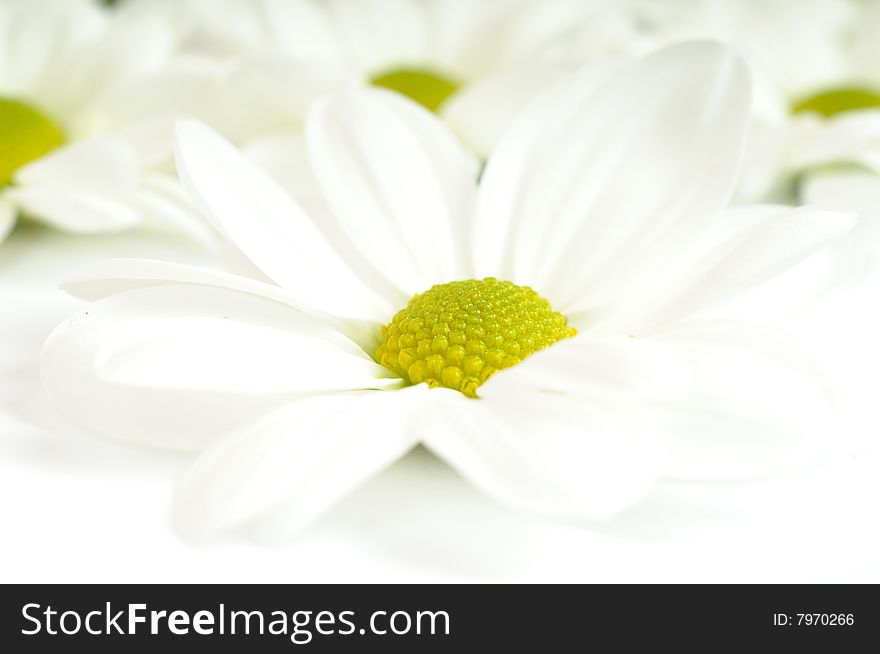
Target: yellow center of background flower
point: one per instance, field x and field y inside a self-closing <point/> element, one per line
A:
<point x="839" y="101"/>
<point x="427" y="88"/>
<point x="26" y="134"/>
<point x="457" y="335"/>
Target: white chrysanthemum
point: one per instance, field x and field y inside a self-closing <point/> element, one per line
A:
<point x="73" y="79"/>
<point x="600" y="213"/>
<point x="475" y="62"/>
<point x="816" y="132"/>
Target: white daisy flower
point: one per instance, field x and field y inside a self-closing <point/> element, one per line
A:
<point x="73" y="77"/>
<point x="547" y="332"/>
<point x="475" y="62"/>
<point x="816" y="133"/>
<point x="841" y="162"/>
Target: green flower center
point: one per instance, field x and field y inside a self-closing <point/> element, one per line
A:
<point x="457" y="335"/>
<point x="837" y="101"/>
<point x="427" y="88"/>
<point x="26" y="134"/>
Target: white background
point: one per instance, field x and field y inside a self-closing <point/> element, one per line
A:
<point x="81" y="508"/>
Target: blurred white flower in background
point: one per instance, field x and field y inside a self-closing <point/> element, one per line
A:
<point x="609" y="207"/>
<point x="843" y="164"/>
<point x="474" y="62"/>
<point x="254" y="67"/>
<point x="70" y="77"/>
<point x="815" y="135"/>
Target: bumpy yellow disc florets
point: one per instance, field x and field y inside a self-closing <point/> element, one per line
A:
<point x="459" y="334"/>
<point x="426" y="87"/>
<point x="25" y="134"/>
<point x="838" y="101"/>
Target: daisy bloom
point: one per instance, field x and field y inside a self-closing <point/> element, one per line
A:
<point x="73" y="78"/>
<point x="815" y="135"/>
<point x="474" y="62"/>
<point x="554" y="332"/>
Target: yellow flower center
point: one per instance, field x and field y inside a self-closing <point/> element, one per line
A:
<point x="25" y="134"/>
<point x="837" y="101"/>
<point x="427" y="88"/>
<point x="459" y="334"/>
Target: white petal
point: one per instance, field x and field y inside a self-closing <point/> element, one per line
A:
<point x="7" y="217"/>
<point x="727" y="399"/>
<point x="84" y="187"/>
<point x="468" y="40"/>
<point x="854" y="191"/>
<point x="75" y="211"/>
<point x="143" y="110"/>
<point x="587" y="365"/>
<point x="269" y="227"/>
<point x="164" y="204"/>
<point x="771" y="241"/>
<point x="852" y="136"/>
<point x="756" y="406"/>
<point x="283" y="156"/>
<point x="765" y="174"/>
<point x="129" y="50"/>
<point x="34" y="42"/>
<point x="97" y="165"/>
<point x="398" y="182"/>
<point x="565" y="32"/>
<point x="177" y="365"/>
<point x="271" y="94"/>
<point x="151" y="139"/>
<point x="595" y="183"/>
<point x="552" y="454"/>
<point x="482" y="110"/>
<point x="285" y="470"/>
<point x="383" y="33"/>
<point x="303" y="31"/>
<point x="100" y="279"/>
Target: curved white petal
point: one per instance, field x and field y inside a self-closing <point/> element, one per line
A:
<point x="35" y="42"/>
<point x="727" y="399"/>
<point x="597" y="183"/>
<point x="756" y="405"/>
<point x="302" y="31"/>
<point x="552" y="454"/>
<point x="143" y="110"/>
<point x="84" y="187"/>
<point x="766" y="174"/>
<point x="855" y="191"/>
<point x="398" y="182"/>
<point x="283" y="471"/>
<point x="770" y="241"/>
<point x="588" y="365"/>
<point x="269" y="227"/>
<point x="382" y="33"/>
<point x="130" y="49"/>
<point x="75" y="211"/>
<point x="274" y="94"/>
<point x="177" y="365"/>
<point x="100" y="279"/>
<point x="163" y="203"/>
<point x="99" y="165"/>
<point x="483" y="109"/>
<point x="282" y="154"/>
